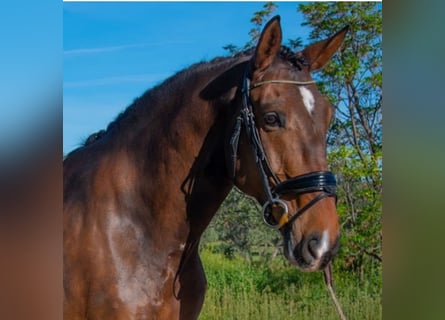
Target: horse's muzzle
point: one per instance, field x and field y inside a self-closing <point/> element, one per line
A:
<point x="311" y="253"/>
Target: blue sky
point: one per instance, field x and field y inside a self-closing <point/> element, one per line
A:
<point x="113" y="52"/>
<point x="30" y="71"/>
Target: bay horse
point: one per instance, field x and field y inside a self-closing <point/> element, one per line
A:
<point x="138" y="195"/>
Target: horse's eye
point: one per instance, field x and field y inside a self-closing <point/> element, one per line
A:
<point x="272" y="119"/>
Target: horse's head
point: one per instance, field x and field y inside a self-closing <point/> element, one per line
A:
<point x="281" y="153"/>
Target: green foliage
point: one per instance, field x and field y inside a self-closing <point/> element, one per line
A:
<point x="238" y="228"/>
<point x="352" y="80"/>
<point x="258" y="20"/>
<point x="237" y="290"/>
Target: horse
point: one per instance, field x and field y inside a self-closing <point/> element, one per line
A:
<point x="139" y="195"/>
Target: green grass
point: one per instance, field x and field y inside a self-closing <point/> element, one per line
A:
<point x="237" y="290"/>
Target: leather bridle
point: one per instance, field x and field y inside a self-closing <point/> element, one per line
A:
<point x="317" y="181"/>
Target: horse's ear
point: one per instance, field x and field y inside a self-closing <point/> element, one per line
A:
<point x="317" y="54"/>
<point x="268" y="45"/>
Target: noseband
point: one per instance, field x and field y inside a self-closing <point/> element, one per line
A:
<point x="317" y="181"/>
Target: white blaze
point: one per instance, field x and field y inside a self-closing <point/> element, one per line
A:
<point x="308" y="98"/>
<point x="324" y="244"/>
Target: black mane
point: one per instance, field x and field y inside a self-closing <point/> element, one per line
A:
<point x="296" y="58"/>
<point x="286" y="53"/>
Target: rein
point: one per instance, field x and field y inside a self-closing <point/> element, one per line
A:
<point x="327" y="272"/>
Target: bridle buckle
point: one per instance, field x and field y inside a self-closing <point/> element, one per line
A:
<point x="267" y="214"/>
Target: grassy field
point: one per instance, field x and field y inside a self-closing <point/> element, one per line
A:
<point x="237" y="290"/>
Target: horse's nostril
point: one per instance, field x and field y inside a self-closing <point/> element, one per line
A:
<point x="313" y="250"/>
<point x="314" y="245"/>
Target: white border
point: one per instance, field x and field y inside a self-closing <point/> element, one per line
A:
<point x="215" y="1"/>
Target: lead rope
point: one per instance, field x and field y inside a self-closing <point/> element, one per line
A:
<point x="327" y="272"/>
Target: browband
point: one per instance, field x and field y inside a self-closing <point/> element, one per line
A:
<point x="300" y="83"/>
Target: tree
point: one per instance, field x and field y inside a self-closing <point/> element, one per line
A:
<point x="258" y="20"/>
<point x="238" y="228"/>
<point x="353" y="82"/>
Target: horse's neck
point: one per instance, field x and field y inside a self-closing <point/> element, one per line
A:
<point x="181" y="161"/>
